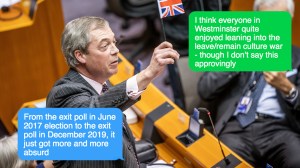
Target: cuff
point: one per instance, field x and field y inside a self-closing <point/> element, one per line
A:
<point x="132" y="88"/>
<point x="292" y="100"/>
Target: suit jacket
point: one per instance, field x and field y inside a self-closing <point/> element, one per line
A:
<point x="73" y="91"/>
<point x="222" y="92"/>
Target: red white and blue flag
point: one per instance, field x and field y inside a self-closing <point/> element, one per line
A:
<point x="170" y="8"/>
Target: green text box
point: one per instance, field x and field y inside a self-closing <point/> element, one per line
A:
<point x="240" y="41"/>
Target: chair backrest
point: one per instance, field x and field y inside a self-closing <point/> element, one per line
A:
<point x="189" y="80"/>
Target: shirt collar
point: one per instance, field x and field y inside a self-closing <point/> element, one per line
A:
<point x="97" y="86"/>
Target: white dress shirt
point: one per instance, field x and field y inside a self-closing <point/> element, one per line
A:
<point x="132" y="89"/>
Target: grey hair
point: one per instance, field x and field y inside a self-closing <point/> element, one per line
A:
<point x="76" y="36"/>
<point x="9" y="154"/>
<point x="259" y="3"/>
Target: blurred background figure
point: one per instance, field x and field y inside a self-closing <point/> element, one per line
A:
<point x="181" y="79"/>
<point x="9" y="155"/>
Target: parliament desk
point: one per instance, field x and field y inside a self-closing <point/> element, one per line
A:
<point x="205" y="152"/>
<point x="30" y="51"/>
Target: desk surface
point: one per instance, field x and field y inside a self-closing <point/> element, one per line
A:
<point x="205" y="152"/>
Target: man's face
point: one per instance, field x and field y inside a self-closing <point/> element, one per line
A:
<point x="102" y="59"/>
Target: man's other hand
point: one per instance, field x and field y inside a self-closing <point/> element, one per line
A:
<point x="279" y="81"/>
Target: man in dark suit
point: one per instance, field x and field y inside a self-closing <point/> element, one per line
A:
<point x="271" y="133"/>
<point x="89" y="47"/>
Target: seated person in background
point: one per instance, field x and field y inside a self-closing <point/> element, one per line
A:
<point x="268" y="131"/>
<point x="9" y="155"/>
<point x="89" y="46"/>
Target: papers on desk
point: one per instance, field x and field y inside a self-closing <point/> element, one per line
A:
<point x="8" y="2"/>
<point x="41" y="104"/>
<point x="159" y="164"/>
<point x="131" y="116"/>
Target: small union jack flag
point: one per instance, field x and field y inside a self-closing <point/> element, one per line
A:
<point x="170" y="8"/>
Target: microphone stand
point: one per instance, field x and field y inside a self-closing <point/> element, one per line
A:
<point x="227" y="161"/>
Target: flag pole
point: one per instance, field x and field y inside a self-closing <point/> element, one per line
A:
<point x="163" y="29"/>
<point x="168" y="8"/>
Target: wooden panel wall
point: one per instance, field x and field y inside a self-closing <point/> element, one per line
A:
<point x="31" y="60"/>
<point x="247" y="5"/>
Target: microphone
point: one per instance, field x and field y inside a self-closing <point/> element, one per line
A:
<point x="226" y="160"/>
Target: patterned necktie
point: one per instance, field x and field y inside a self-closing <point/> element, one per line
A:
<point x="104" y="88"/>
<point x="248" y="118"/>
